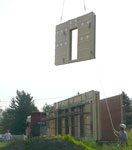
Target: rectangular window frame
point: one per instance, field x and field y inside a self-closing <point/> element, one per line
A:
<point x="73" y="54"/>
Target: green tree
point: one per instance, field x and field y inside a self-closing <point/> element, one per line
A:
<point x="7" y="120"/>
<point x="14" y="118"/>
<point x="47" y="108"/>
<point x="1" y="111"/>
<point x="127" y="109"/>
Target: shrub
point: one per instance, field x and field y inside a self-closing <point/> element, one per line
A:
<point x="90" y="142"/>
<point x="78" y="143"/>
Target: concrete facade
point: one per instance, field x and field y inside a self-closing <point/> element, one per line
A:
<point x="78" y="116"/>
<point x="86" y="39"/>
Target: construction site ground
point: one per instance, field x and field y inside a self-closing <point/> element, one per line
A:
<point x="44" y="143"/>
<point x="63" y="143"/>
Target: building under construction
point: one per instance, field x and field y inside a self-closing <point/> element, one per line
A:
<point x="84" y="115"/>
<point x="78" y="116"/>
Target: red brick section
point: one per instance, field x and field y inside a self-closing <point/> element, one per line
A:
<point x="115" y="110"/>
<point x="37" y="117"/>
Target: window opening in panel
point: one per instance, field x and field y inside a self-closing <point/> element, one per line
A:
<point x="73" y="44"/>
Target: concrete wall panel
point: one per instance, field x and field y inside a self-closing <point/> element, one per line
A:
<point x="115" y="106"/>
<point x="86" y="35"/>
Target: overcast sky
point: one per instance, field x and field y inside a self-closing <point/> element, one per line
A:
<point x="27" y="50"/>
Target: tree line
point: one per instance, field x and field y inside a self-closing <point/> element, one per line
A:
<point x="14" y="117"/>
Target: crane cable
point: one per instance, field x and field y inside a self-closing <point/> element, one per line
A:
<point x="108" y="109"/>
<point x="107" y="106"/>
<point x="84" y="5"/>
<point x="62" y="10"/>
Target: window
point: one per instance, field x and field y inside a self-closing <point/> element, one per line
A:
<point x="73" y="44"/>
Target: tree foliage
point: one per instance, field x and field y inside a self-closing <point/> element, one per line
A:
<point x="127" y="109"/>
<point x="47" y="108"/>
<point x="14" y="117"/>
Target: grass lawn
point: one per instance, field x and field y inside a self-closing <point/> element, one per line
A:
<point x="2" y="144"/>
